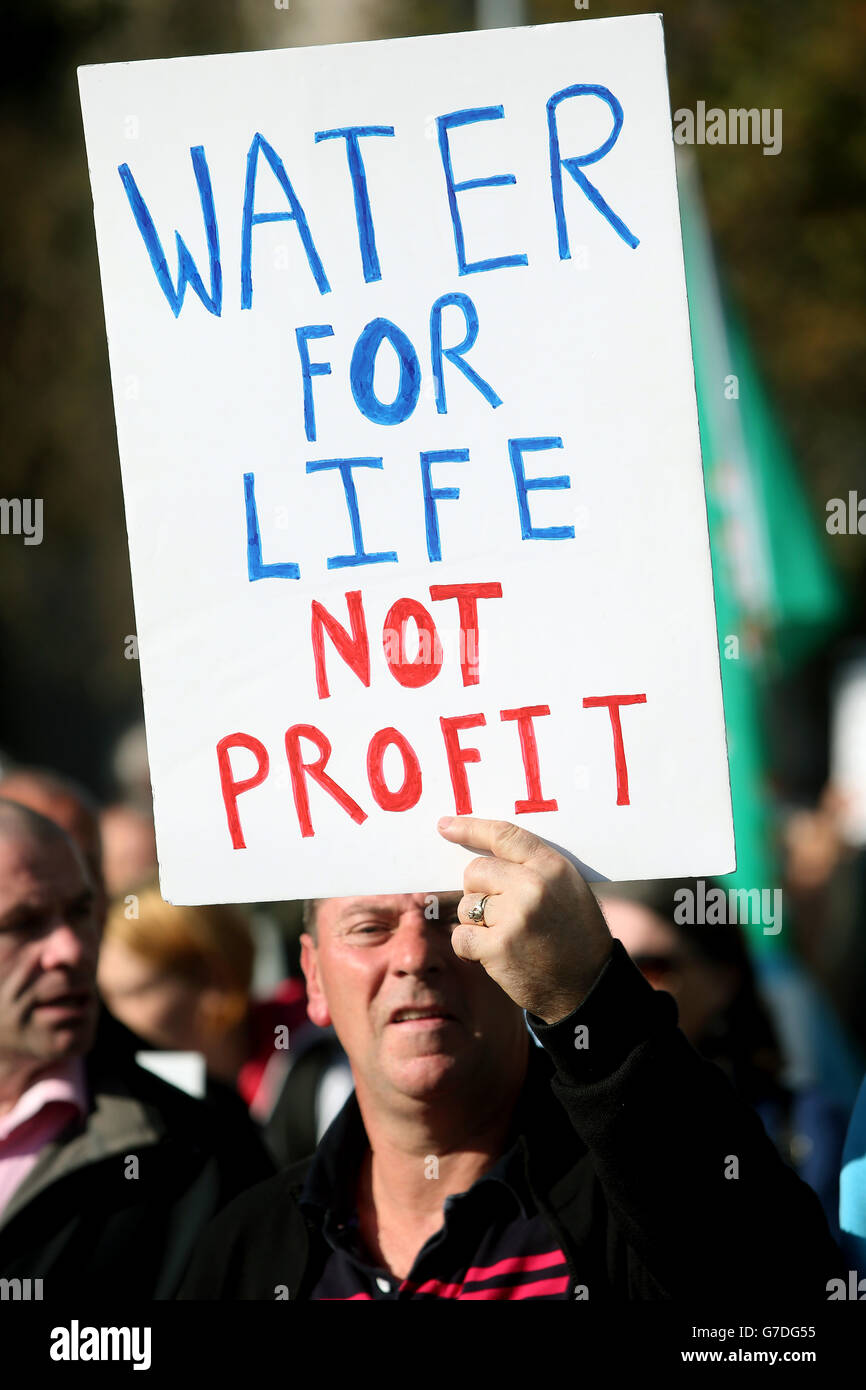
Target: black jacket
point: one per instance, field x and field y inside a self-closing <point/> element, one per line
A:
<point x="88" y="1221"/>
<point x="657" y="1180"/>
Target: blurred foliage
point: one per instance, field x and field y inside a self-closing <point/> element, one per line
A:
<point x="790" y="231"/>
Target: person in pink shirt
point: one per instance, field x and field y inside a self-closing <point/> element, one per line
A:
<point x="49" y="941"/>
<point x="98" y="1157"/>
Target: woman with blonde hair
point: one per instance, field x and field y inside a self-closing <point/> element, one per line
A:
<point x="180" y="977"/>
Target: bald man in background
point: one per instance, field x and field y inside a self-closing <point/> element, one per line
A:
<point x="70" y="806"/>
<point x="107" y="1174"/>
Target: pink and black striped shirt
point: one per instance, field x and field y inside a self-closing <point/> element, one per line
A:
<point x="494" y="1243"/>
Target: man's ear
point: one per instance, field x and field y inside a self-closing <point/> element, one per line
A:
<point x="317" y="1004"/>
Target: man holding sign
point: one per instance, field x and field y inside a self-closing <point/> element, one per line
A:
<point x="413" y="485"/>
<point x="458" y="1171"/>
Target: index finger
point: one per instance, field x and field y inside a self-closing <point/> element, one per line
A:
<point x="500" y="838"/>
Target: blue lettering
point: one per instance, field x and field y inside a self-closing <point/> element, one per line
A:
<point x="434" y="494"/>
<point x="286" y="570"/>
<point x="516" y="449"/>
<point x="187" y="272"/>
<point x="310" y="369"/>
<point x="363" y="367"/>
<point x="363" y="214"/>
<point x="455" y="354"/>
<point x="445" y="123"/>
<point x="360" y="556"/>
<point x="251" y="219"/>
<point x="575" y="165"/>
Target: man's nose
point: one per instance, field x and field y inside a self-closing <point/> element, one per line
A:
<point x="63" y="947"/>
<point x="417" y="947"/>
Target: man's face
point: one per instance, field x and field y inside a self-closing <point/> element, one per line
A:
<point x="702" y="990"/>
<point x="413" y="1018"/>
<point x="49" y="941"/>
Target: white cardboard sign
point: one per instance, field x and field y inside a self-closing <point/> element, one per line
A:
<point x="401" y="364"/>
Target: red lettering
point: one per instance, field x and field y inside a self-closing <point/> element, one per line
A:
<point x="409" y="794"/>
<point x="428" y="661"/>
<point x="354" y="648"/>
<point x="467" y="596"/>
<point x="458" y="757"/>
<point x="613" y="703"/>
<point x="301" y="770"/>
<point x="529" y="750"/>
<point x="231" y="789"/>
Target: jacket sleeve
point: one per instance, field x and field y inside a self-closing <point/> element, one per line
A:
<point x="256" y="1248"/>
<point x="688" y="1172"/>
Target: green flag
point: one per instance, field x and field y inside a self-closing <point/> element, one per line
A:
<point x="776" y="593"/>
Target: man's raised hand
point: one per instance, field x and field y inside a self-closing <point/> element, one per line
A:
<point x="545" y="940"/>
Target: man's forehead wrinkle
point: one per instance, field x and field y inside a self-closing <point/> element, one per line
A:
<point x="35" y="881"/>
<point x="396" y="903"/>
<point x="380" y="904"/>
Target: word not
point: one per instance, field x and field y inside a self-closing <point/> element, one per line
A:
<point x="847" y="520"/>
<point x="258" y="568"/>
<point x="354" y="646"/>
<point x="734" y="127"/>
<point x="22" y="516"/>
<point x="408" y="794"/>
<point x="717" y="908"/>
<point x="74" y="1343"/>
<point x="293" y="210"/>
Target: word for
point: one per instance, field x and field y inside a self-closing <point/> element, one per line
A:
<point x="22" y="516"/>
<point x="847" y="520"/>
<point x="365" y="354"/>
<point x="734" y="127"/>
<point x="258" y="568"/>
<point x="74" y="1343"/>
<point x="293" y="210"/>
<point x="717" y="908"/>
<point x="408" y="794"/>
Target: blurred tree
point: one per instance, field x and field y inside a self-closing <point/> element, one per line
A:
<point x="790" y="231"/>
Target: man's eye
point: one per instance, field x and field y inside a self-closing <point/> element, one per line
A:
<point x="369" y="929"/>
<point x="22" y="926"/>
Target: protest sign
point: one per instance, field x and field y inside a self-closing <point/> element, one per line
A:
<point x="405" y="405"/>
